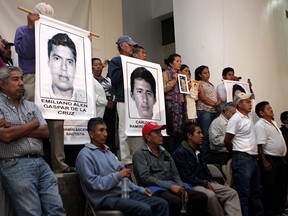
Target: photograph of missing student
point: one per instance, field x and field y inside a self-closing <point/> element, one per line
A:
<point x="183" y="84"/>
<point x="144" y="94"/>
<point x="62" y="60"/>
<point x="63" y="80"/>
<point x="62" y="64"/>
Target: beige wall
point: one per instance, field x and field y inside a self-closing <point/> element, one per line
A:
<point x="107" y="22"/>
<point x="250" y="36"/>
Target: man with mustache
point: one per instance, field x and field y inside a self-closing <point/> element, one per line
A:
<point x="27" y="179"/>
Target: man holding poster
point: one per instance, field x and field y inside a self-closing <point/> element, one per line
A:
<point x="115" y="71"/>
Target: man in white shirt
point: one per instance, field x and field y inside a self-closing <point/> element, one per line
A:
<point x="272" y="150"/>
<point x="218" y="152"/>
<point x="240" y="140"/>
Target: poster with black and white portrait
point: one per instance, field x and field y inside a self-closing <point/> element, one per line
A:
<point x="144" y="95"/>
<point x="183" y="84"/>
<point x="63" y="85"/>
<point x="235" y="87"/>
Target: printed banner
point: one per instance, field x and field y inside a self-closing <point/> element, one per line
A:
<point x="63" y="85"/>
<point x="75" y="132"/>
<point x="144" y="95"/>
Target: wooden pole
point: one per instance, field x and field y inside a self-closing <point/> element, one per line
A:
<point x="30" y="11"/>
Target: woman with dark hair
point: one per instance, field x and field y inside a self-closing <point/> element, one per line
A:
<point x="104" y="98"/>
<point x="192" y="97"/>
<point x="174" y="102"/>
<point x="207" y="105"/>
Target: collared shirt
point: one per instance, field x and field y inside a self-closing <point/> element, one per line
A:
<point x="242" y="127"/>
<point x="25" y="113"/>
<point x="151" y="170"/>
<point x="217" y="132"/>
<point x="270" y="136"/>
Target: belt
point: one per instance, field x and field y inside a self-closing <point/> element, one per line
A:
<point x="22" y="156"/>
<point x="31" y="156"/>
<point x="244" y="154"/>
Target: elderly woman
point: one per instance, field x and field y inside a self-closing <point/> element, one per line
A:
<point x="207" y="105"/>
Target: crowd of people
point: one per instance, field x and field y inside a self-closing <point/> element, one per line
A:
<point x="171" y="173"/>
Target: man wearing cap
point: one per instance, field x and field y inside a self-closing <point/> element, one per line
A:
<point x="6" y="53"/>
<point x="272" y="150"/>
<point x="25" y="47"/>
<point x="102" y="176"/>
<point x="240" y="140"/>
<point x="154" y="168"/>
<point x="2" y="47"/>
<point x="127" y="144"/>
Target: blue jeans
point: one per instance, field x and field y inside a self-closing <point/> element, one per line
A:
<point x="138" y="204"/>
<point x="31" y="186"/>
<point x="247" y="182"/>
<point x="205" y="119"/>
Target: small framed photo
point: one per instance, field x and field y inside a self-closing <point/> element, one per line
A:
<point x="183" y="84"/>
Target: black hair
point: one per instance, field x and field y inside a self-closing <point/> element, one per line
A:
<point x="261" y="107"/>
<point x="198" y="71"/>
<point x="93" y="122"/>
<point x="183" y="66"/>
<point x="143" y="73"/>
<point x="227" y="70"/>
<point x="63" y="40"/>
<point x="137" y="48"/>
<point x="189" y="128"/>
<point x="284" y="116"/>
<point x="94" y="59"/>
<point x="171" y="58"/>
<point x="235" y="88"/>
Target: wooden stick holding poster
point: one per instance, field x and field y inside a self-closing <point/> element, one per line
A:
<point x="30" y="11"/>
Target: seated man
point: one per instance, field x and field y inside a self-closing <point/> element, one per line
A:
<point x="194" y="171"/>
<point x="217" y="130"/>
<point x="101" y="174"/>
<point x="154" y="167"/>
<point x="26" y="178"/>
